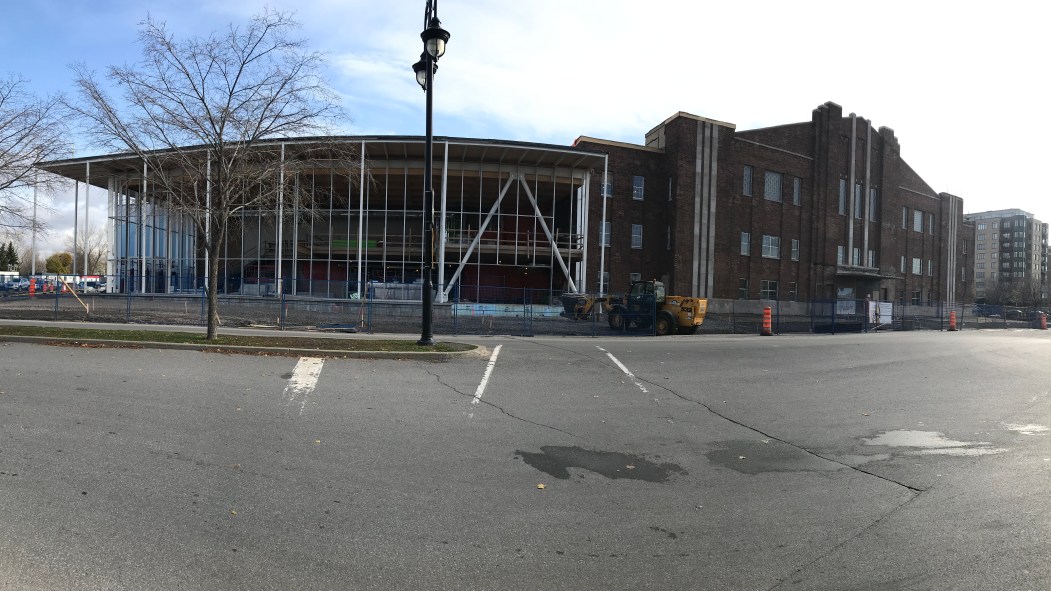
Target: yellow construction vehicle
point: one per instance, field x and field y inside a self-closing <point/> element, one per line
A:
<point x="644" y="305"/>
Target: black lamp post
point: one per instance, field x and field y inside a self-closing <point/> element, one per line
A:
<point x="434" y="39"/>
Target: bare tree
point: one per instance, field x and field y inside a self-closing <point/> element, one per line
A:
<point x="31" y="130"/>
<point x="93" y="241"/>
<point x="201" y="114"/>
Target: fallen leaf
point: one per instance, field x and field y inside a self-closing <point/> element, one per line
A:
<point x="317" y="441"/>
<point x="865" y="414"/>
<point x="541" y="486"/>
<point x="630" y="467"/>
<point x="232" y="512"/>
<point x="740" y="457"/>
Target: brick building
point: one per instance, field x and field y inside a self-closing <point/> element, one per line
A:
<point x="825" y="209"/>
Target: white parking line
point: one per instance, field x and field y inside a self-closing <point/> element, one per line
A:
<point x="485" y="377"/>
<point x="624" y="369"/>
<point x="303" y="380"/>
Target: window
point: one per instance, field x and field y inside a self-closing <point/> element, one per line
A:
<point x="902" y="263"/>
<point x="994" y="225"/>
<point x="980" y="274"/>
<point x="746" y="243"/>
<point x="855" y="256"/>
<point x="840" y="255"/>
<point x="635" y="277"/>
<point x="905" y="218"/>
<point x="872" y="203"/>
<point x="638" y="186"/>
<point x="981" y="227"/>
<point x="980" y="246"/>
<point x="605" y="282"/>
<point x="792" y="291"/>
<point x="859" y="204"/>
<point x="607" y="228"/>
<point x="930" y="267"/>
<point x="980" y="256"/>
<point x="742" y="288"/>
<point x="797" y="190"/>
<point x="980" y="238"/>
<point x="795" y="249"/>
<point x="917" y="266"/>
<point x="768" y="290"/>
<point x="772" y="186"/>
<point x="771" y="247"/>
<point x="746" y="183"/>
<point x="607" y="187"/>
<point x="916" y="298"/>
<point x="842" y="196"/>
<point x="917" y="221"/>
<point x="636" y="235"/>
<point x="872" y="258"/>
<point x="996" y="236"/>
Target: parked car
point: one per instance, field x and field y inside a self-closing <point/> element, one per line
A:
<point x="1015" y="314"/>
<point x="90" y="286"/>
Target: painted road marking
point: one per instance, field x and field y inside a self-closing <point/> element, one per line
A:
<point x="303" y="380"/>
<point x="485" y="377"/>
<point x="624" y="369"/>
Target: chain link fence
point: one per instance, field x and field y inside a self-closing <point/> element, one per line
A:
<point x="396" y="308"/>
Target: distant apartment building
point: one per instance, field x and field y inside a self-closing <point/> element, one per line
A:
<point x="1010" y="259"/>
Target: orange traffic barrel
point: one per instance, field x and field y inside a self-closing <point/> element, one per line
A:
<point x="952" y="320"/>
<point x="768" y="327"/>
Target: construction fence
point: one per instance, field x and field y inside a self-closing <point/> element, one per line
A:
<point x="395" y="308"/>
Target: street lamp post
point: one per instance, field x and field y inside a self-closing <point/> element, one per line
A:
<point x="434" y="40"/>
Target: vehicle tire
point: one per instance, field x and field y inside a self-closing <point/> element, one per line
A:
<point x="616" y="320"/>
<point x="687" y="330"/>
<point x="664" y="325"/>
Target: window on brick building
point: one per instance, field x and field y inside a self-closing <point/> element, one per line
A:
<point x="635" y="277"/>
<point x="917" y="221"/>
<point x="917" y="266"/>
<point x="872" y="258"/>
<point x="855" y="256"/>
<point x="841" y="255"/>
<point x="916" y="297"/>
<point x="797" y="190"/>
<point x="772" y="186"/>
<point x="771" y="247"/>
<point x="746" y="182"/>
<point x="842" y="196"/>
<point x="930" y="267"/>
<point x="793" y="291"/>
<point x="604" y="282"/>
<point x="636" y="235"/>
<point x="746" y="243"/>
<point x="902" y="263"/>
<point x="859" y="201"/>
<point x="638" y="187"/>
<point x="795" y="249"/>
<point x="742" y="288"/>
<point x="768" y="289"/>
<point x="607" y="229"/>
<point x="905" y="218"/>
<point x="873" y="208"/>
<point x="607" y="187"/>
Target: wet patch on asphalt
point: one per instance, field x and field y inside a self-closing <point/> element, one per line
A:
<point x="767" y="455"/>
<point x="931" y="443"/>
<point x="556" y="461"/>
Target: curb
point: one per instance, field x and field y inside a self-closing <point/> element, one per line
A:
<point x="247" y="350"/>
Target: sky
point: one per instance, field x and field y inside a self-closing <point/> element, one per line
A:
<point x="963" y="84"/>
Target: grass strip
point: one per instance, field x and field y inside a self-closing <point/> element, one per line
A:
<point x="160" y="336"/>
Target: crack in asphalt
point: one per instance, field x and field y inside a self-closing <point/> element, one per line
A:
<point x="439" y="379"/>
<point x="844" y="542"/>
<point x="776" y="438"/>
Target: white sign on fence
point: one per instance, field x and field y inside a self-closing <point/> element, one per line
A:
<point x="880" y="312"/>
